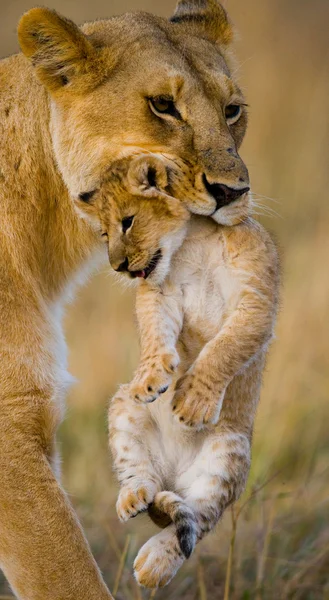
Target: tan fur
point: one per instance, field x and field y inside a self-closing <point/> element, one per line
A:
<point x="77" y="101"/>
<point x="206" y="315"/>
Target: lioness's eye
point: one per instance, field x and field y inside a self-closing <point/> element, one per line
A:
<point x="127" y="223"/>
<point x="163" y="105"/>
<point x="232" y="113"/>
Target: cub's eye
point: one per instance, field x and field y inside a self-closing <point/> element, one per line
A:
<point x="87" y="196"/>
<point x="127" y="223"/>
<point x="105" y="236"/>
<point x="163" y="105"/>
<point x="232" y="113"/>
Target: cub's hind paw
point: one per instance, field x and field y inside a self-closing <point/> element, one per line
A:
<point x="158" y="560"/>
<point x="134" y="499"/>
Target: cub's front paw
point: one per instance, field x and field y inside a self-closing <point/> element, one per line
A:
<point x="135" y="498"/>
<point x="154" y="377"/>
<point x="196" y="403"/>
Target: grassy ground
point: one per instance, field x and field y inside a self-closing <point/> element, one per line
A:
<point x="275" y="542"/>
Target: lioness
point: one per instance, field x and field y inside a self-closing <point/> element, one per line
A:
<point x="71" y="104"/>
<point x="206" y="306"/>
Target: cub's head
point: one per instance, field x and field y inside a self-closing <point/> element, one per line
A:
<point x="138" y="83"/>
<point x="142" y="224"/>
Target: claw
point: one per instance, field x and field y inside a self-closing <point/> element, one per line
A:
<point x="164" y="389"/>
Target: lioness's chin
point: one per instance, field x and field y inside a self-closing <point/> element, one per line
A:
<point x="234" y="213"/>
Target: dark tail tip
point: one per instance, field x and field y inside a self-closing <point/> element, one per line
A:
<point x="167" y="508"/>
<point x="186" y="536"/>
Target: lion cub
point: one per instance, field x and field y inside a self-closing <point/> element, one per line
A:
<point x="206" y="305"/>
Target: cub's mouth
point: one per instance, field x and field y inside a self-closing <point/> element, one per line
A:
<point x="144" y="273"/>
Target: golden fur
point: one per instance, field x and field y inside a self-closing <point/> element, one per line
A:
<point x="206" y="314"/>
<point x="71" y="104"/>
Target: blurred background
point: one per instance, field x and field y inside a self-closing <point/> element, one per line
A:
<point x="275" y="542"/>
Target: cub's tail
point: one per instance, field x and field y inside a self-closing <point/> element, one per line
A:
<point x="167" y="508"/>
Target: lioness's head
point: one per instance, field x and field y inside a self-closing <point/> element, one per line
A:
<point x="140" y="221"/>
<point x="139" y="83"/>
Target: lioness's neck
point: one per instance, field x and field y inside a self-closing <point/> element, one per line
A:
<point x="38" y="216"/>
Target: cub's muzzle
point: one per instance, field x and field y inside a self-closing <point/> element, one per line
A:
<point x="124" y="266"/>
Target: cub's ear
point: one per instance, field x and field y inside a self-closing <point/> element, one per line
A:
<point x="204" y="17"/>
<point x="55" y="45"/>
<point x="147" y="176"/>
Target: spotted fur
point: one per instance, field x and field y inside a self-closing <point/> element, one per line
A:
<point x="206" y="317"/>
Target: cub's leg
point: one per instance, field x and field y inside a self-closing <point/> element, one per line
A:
<point x="130" y="424"/>
<point x="160" y="318"/>
<point x="219" y="474"/>
<point x="160" y="558"/>
<point x="213" y="481"/>
<point x="216" y="478"/>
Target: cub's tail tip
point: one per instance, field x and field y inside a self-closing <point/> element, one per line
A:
<point x="186" y="535"/>
<point x="167" y="508"/>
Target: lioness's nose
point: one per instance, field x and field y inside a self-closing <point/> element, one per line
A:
<point x="222" y="193"/>
<point x="124" y="266"/>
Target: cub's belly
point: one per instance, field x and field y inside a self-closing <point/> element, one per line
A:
<point x="210" y="292"/>
<point x="172" y="448"/>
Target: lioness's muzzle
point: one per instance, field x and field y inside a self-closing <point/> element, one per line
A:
<point x="222" y="193"/>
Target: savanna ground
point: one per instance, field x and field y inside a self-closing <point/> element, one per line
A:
<point x="275" y="542"/>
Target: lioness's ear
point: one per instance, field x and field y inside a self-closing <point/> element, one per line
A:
<point x="57" y="48"/>
<point x="205" y="17"/>
<point x="147" y="176"/>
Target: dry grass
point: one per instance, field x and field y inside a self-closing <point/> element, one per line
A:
<point x="275" y="542"/>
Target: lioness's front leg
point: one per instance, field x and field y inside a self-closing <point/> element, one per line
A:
<point x="43" y="551"/>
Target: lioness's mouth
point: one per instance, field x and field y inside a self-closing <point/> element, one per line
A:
<point x="144" y="273"/>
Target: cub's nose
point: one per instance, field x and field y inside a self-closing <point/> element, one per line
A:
<point x="124" y="266"/>
<point x="222" y="193"/>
